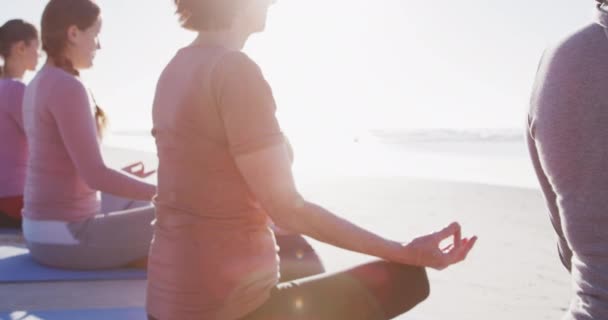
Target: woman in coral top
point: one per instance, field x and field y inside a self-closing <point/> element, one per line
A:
<point x="225" y="170"/>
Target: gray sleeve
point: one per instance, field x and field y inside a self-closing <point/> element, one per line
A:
<point x="568" y="140"/>
<point x="563" y="249"/>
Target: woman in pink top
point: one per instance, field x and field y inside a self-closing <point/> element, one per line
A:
<point x="225" y="169"/>
<point x="19" y="47"/>
<point x="63" y="223"/>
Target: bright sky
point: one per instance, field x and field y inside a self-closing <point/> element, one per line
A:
<point x="349" y="64"/>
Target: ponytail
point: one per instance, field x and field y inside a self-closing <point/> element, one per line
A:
<point x="11" y="32"/>
<point x="101" y="119"/>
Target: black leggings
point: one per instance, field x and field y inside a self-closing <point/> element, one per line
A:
<point x="374" y="291"/>
<point x="9" y="222"/>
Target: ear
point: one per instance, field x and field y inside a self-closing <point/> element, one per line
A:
<point x="19" y="47"/>
<point x="73" y="34"/>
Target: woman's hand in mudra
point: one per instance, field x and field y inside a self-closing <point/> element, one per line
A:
<point x="427" y="251"/>
<point x="137" y="169"/>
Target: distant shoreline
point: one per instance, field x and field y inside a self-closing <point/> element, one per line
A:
<point x="396" y="135"/>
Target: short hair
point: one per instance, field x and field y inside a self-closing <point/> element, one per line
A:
<point x="202" y="15"/>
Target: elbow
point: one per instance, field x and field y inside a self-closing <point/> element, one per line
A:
<point x="285" y="219"/>
<point x="94" y="177"/>
<point x="287" y="215"/>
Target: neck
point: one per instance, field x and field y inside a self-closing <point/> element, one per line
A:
<point x="229" y="39"/>
<point x="52" y="63"/>
<point x="13" y="71"/>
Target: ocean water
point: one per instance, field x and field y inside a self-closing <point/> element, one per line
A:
<point x="495" y="157"/>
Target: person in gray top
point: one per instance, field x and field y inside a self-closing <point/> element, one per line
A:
<point x="568" y="142"/>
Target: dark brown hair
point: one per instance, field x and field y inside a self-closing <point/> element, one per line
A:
<point x="57" y="18"/>
<point x="12" y="32"/>
<point x="200" y="15"/>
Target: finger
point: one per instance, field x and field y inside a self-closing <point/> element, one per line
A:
<point x="459" y="254"/>
<point x="469" y="246"/>
<point x="466" y="249"/>
<point x="149" y="173"/>
<point x="448" y="231"/>
<point x="458" y="237"/>
<point x="463" y="242"/>
<point x="132" y="168"/>
<point x="451" y="253"/>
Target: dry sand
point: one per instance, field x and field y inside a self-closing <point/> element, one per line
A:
<point x="512" y="273"/>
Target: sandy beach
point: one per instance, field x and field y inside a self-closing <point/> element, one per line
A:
<point x="513" y="273"/>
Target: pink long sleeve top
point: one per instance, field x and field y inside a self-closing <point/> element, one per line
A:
<point x="13" y="144"/>
<point x="65" y="168"/>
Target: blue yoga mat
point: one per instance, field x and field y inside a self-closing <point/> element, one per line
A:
<point x="88" y="314"/>
<point x="16" y="265"/>
<point x="10" y="231"/>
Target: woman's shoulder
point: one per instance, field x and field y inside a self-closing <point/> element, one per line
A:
<point x="571" y="75"/>
<point x="576" y="62"/>
<point x="12" y="86"/>
<point x="236" y="62"/>
<point x="62" y="84"/>
<point x="62" y="78"/>
<point x="580" y="49"/>
<point x="236" y="57"/>
<point x="58" y="87"/>
<point x="11" y="91"/>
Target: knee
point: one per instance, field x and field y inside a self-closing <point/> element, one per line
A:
<point x="422" y="283"/>
<point x="399" y="288"/>
<point x="396" y="280"/>
<point x="412" y="281"/>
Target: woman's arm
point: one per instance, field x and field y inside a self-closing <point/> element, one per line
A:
<point x="74" y="117"/>
<point x="268" y="174"/>
<point x="257" y="144"/>
<point x="16" y="110"/>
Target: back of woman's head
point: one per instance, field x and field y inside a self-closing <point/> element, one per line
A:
<point x="202" y="15"/>
<point x="57" y="18"/>
<point x="12" y="32"/>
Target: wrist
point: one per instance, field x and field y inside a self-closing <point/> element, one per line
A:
<point x="393" y="251"/>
